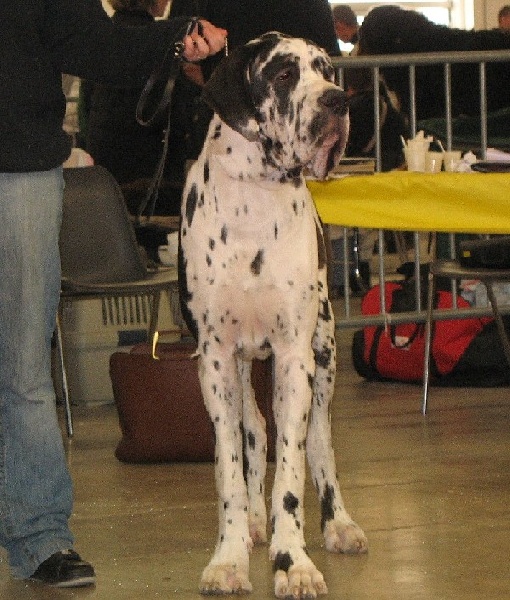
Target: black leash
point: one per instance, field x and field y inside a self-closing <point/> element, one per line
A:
<point x="164" y="75"/>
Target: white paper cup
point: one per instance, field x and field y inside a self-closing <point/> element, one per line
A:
<point x="433" y="162"/>
<point x="415" y="159"/>
<point x="415" y="152"/>
<point x="451" y="159"/>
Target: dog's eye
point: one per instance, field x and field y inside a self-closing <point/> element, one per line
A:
<point x="284" y="75"/>
<point x="329" y="74"/>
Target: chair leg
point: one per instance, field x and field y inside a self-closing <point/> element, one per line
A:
<point x="65" y="387"/>
<point x="428" y="343"/>
<point x="499" y="321"/>
<point x="356" y="258"/>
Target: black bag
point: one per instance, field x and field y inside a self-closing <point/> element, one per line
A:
<point x="492" y="253"/>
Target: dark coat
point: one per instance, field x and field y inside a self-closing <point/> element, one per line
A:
<point x="393" y="30"/>
<point x="50" y="37"/>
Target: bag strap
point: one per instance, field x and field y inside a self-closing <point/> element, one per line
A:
<point x="419" y="329"/>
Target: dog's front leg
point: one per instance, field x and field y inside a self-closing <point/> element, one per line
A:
<point x="295" y="574"/>
<point x="340" y="532"/>
<point x="255" y="456"/>
<point x="227" y="572"/>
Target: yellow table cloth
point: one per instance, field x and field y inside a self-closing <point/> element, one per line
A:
<point x="448" y="202"/>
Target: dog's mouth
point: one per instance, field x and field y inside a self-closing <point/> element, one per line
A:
<point x="330" y="149"/>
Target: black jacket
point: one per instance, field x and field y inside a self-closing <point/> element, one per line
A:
<point x="114" y="138"/>
<point x="40" y="40"/>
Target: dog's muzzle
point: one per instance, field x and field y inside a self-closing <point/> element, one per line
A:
<point x="334" y="130"/>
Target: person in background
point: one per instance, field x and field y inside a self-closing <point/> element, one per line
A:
<point x="114" y="138"/>
<point x="504" y="18"/>
<point x="346" y="24"/>
<point x="38" y="44"/>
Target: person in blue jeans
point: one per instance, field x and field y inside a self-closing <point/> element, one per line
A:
<point x="38" y="43"/>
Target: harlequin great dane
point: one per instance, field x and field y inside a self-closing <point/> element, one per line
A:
<point x="253" y="282"/>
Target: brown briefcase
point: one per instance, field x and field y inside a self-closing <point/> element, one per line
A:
<point x="161" y="412"/>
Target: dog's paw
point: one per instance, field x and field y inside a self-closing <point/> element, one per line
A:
<point x="347" y="538"/>
<point x="220" y="579"/>
<point x="299" y="582"/>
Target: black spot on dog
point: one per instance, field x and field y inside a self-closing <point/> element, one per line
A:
<point x="206" y="171"/>
<point x="321" y="247"/>
<point x="251" y="440"/>
<point x="212" y="243"/>
<point x="229" y="150"/>
<point x="217" y="132"/>
<point x="191" y="204"/>
<point x="216" y="365"/>
<point x="276" y="231"/>
<point x="257" y="262"/>
<point x="327" y="513"/>
<point x="282" y="562"/>
<point x="323" y="357"/>
<point x="223" y="235"/>
<point x="266" y="345"/>
<point x="297" y="180"/>
<point x="290" y="503"/>
<point x="324" y="311"/>
<point x="310" y="380"/>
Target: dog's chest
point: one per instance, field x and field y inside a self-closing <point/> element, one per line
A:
<point x="253" y="234"/>
<point x="251" y="259"/>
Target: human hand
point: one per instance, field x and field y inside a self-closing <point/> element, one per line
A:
<point x="193" y="72"/>
<point x="203" y="41"/>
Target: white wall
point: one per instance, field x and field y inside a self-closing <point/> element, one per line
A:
<point x="486" y="13"/>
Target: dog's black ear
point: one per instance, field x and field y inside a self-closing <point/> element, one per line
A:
<point x="227" y="92"/>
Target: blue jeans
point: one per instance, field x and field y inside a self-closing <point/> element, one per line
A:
<point x="35" y="485"/>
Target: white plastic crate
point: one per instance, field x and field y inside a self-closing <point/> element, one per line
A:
<point x="94" y="329"/>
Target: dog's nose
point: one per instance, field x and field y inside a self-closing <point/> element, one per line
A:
<point x="336" y="100"/>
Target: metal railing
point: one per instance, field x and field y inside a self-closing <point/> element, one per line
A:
<point x="350" y="317"/>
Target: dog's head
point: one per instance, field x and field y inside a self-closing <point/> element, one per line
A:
<point x="280" y="91"/>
